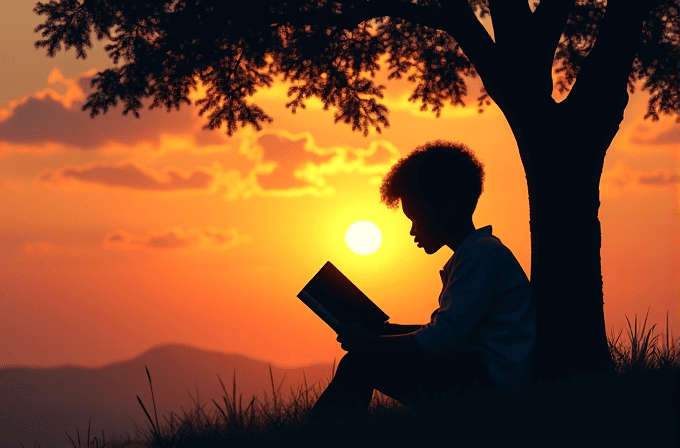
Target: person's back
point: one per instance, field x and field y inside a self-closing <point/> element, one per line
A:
<point x="506" y="330"/>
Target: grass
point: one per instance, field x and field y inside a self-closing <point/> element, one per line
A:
<point x="631" y="407"/>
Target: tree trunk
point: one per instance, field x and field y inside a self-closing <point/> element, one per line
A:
<point x="563" y="159"/>
<point x="566" y="272"/>
<point x="562" y="147"/>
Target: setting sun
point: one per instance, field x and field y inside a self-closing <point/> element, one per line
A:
<point x="363" y="237"/>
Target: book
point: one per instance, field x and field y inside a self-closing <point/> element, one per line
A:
<point x="336" y="300"/>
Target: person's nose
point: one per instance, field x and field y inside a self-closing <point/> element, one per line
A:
<point x="413" y="229"/>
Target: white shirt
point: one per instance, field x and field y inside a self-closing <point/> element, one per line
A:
<point x="485" y="304"/>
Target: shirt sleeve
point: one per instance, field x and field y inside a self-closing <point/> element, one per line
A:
<point x="465" y="300"/>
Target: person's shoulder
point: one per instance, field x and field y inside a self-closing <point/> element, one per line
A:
<point x="487" y="243"/>
<point x="484" y="248"/>
<point x="491" y="246"/>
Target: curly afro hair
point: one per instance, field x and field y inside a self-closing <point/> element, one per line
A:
<point x="436" y="173"/>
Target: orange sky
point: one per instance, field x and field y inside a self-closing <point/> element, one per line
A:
<point x="119" y="234"/>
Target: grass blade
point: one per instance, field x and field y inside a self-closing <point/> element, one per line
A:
<point x="147" y="415"/>
<point x="69" y="437"/>
<point x="148" y="375"/>
<point x="226" y="420"/>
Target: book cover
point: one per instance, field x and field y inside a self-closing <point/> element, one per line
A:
<point x="335" y="299"/>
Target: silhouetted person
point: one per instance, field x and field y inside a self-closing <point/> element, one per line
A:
<point x="481" y="335"/>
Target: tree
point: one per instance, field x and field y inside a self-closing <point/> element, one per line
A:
<point x="591" y="49"/>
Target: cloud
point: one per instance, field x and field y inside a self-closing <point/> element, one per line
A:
<point x="646" y="136"/>
<point x="132" y="175"/>
<point x="270" y="164"/>
<point x="273" y="163"/>
<point x="659" y="178"/>
<point x="622" y="178"/>
<point x="175" y="238"/>
<point x="75" y="91"/>
<point x="50" y="120"/>
<point x="294" y="165"/>
<point x="281" y="157"/>
<point x="46" y="249"/>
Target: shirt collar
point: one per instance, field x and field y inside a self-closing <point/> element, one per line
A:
<point x="471" y="238"/>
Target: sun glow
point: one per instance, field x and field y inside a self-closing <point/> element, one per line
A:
<point x="363" y="237"/>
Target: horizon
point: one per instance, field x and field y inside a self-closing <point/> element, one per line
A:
<point x="624" y="334"/>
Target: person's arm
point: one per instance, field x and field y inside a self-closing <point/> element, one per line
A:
<point x="390" y="329"/>
<point x="354" y="337"/>
<point x="403" y="343"/>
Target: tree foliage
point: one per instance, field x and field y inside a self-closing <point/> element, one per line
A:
<point x="331" y="50"/>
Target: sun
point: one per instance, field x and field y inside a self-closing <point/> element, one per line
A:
<point x="363" y="237"/>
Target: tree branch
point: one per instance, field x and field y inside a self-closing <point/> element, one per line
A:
<point x="548" y="22"/>
<point x="515" y="43"/>
<point x="455" y="17"/>
<point x="461" y="23"/>
<point x="352" y="13"/>
<point x="603" y="76"/>
<point x="509" y="18"/>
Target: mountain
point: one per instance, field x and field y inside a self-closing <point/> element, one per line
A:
<point x="39" y="405"/>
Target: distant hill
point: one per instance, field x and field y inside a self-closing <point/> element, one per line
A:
<point x="40" y="404"/>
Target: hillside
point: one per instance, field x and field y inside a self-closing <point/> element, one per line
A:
<point x="40" y="404"/>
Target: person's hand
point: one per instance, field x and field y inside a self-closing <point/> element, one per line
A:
<point x="355" y="337"/>
<point x="387" y="329"/>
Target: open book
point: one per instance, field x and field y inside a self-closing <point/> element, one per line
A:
<point x="335" y="299"/>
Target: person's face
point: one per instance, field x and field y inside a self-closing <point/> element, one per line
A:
<point x="427" y="231"/>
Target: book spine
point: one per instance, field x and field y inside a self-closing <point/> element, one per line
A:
<point x="319" y="309"/>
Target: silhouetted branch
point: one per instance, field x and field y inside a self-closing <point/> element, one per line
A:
<point x="459" y="20"/>
<point x="515" y="53"/>
<point x="456" y="17"/>
<point x="605" y="71"/>
<point x="348" y="15"/>
<point x="548" y="22"/>
<point x="510" y="18"/>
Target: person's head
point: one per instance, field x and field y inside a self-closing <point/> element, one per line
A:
<point x="438" y="185"/>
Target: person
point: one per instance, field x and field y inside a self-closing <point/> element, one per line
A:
<point x="481" y="335"/>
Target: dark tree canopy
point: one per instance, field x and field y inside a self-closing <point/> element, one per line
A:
<point x="331" y="50"/>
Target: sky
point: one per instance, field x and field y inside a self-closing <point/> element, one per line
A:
<point x="118" y="234"/>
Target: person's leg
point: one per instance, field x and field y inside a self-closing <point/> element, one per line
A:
<point x="351" y="389"/>
<point x="470" y="371"/>
<point x="407" y="379"/>
<point x="358" y="374"/>
<point x="425" y="378"/>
